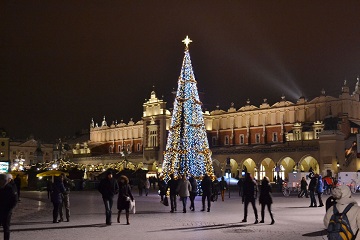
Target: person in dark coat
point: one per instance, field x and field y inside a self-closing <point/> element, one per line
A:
<point x="162" y="188"/>
<point x="124" y="198"/>
<point x="216" y="188"/>
<point x="249" y="194"/>
<point x="56" y="197"/>
<point x="65" y="198"/>
<point x="172" y="185"/>
<point x="48" y="188"/>
<point x="108" y="187"/>
<point x="17" y="182"/>
<point x="312" y="189"/>
<point x="265" y="199"/>
<point x="8" y="200"/>
<point x="223" y="187"/>
<point x="193" y="192"/>
<point x="303" y="188"/>
<point x="206" y="186"/>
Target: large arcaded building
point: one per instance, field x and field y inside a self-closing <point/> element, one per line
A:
<point x="271" y="140"/>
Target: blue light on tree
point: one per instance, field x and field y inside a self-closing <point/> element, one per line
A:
<point x="187" y="149"/>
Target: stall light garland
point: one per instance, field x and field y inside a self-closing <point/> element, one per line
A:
<point x="187" y="149"/>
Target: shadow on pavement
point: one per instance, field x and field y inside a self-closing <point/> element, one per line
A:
<point x="315" y="234"/>
<point x="210" y="227"/>
<point x="57" y="226"/>
<point x="296" y="207"/>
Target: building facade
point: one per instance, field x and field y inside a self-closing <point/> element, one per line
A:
<point x="272" y="140"/>
<point x="30" y="152"/>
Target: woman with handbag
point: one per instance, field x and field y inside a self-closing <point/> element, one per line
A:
<point x="124" y="198"/>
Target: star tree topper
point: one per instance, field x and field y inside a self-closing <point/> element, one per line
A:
<point x="187" y="41"/>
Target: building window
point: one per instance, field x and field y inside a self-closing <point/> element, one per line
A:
<point x="111" y="149"/>
<point x="119" y="148"/>
<point x="153" y="139"/>
<point x="275" y="137"/>
<point x="214" y="141"/>
<point x="226" y="140"/>
<point x="279" y="173"/>
<point x="242" y="139"/>
<point x="138" y="147"/>
<point x="257" y="138"/>
<point x="128" y="148"/>
<point x="317" y="132"/>
<point x="297" y="135"/>
<point x="262" y="172"/>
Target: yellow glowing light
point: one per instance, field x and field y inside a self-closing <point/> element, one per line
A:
<point x="187" y="41"/>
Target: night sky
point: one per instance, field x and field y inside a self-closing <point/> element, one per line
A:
<point x="65" y="62"/>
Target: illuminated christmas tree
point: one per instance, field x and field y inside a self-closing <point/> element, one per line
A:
<point x="187" y="149"/>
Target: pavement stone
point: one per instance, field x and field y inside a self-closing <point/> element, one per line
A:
<point x="32" y="219"/>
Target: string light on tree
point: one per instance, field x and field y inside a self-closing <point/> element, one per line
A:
<point x="187" y="149"/>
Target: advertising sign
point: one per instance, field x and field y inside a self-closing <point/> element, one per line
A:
<point x="4" y="167"/>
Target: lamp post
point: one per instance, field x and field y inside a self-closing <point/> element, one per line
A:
<point x="125" y="154"/>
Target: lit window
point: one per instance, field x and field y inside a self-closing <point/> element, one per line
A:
<point x="317" y="132"/>
<point x="262" y="172"/>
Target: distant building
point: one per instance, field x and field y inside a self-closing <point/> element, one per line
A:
<point x="271" y="140"/>
<point x="29" y="152"/>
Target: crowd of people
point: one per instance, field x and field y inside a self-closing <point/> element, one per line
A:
<point x="340" y="201"/>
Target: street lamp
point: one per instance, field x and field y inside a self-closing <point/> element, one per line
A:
<point x="125" y="154"/>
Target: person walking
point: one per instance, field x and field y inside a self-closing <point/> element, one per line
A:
<point x="162" y="188"/>
<point x="206" y="187"/>
<point x="108" y="187"/>
<point x="342" y="196"/>
<point x="320" y="190"/>
<point x="8" y="201"/>
<point x="265" y="199"/>
<point x="312" y="189"/>
<point x="249" y="195"/>
<point x="223" y="187"/>
<point x="303" y="188"/>
<point x="124" y="198"/>
<point x="147" y="186"/>
<point x="240" y="185"/>
<point x="183" y="189"/>
<point x="17" y="182"/>
<point x="193" y="192"/>
<point x="141" y="186"/>
<point x="11" y="183"/>
<point x="56" y="197"/>
<point x="172" y="185"/>
<point x="215" y="190"/>
<point x="65" y="198"/>
<point x="48" y="188"/>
